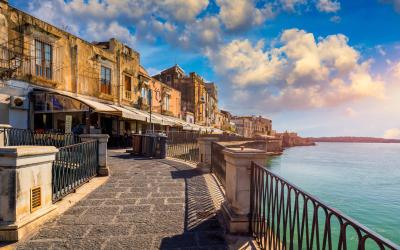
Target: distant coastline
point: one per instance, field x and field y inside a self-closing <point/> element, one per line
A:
<point x="352" y="139"/>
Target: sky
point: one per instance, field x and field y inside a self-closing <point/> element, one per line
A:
<point x="318" y="67"/>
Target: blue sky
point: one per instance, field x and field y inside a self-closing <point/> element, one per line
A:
<point x="319" y="67"/>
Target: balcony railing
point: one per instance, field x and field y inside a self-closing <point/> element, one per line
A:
<point x="105" y="88"/>
<point x="285" y="217"/>
<point x="128" y="95"/>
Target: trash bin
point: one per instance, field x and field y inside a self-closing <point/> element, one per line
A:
<point x="154" y="145"/>
<point x="137" y="144"/>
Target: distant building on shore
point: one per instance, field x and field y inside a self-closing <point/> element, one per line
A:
<point x="252" y="126"/>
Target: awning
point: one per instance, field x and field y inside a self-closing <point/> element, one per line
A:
<point x="130" y="113"/>
<point x="164" y="120"/>
<point x="97" y="106"/>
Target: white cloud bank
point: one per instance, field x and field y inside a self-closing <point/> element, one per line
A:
<point x="301" y="72"/>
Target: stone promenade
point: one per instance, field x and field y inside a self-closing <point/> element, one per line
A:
<point x="145" y="204"/>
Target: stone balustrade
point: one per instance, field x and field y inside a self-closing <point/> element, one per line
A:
<point x="25" y="189"/>
<point x="236" y="207"/>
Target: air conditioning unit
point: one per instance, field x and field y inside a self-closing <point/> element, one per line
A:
<point x="19" y="102"/>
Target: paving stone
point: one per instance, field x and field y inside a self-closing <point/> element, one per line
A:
<point x="134" y="242"/>
<point x="103" y="210"/>
<point x="83" y="244"/>
<point x="37" y="245"/>
<point x="110" y="230"/>
<point x="175" y="200"/>
<point x="170" y="207"/>
<point x="153" y="201"/>
<point x="133" y="195"/>
<point x="120" y="201"/>
<point x="134" y="209"/>
<point x="62" y="232"/>
<point x="168" y="195"/>
<point x="76" y="210"/>
<point x="139" y="217"/>
<point x="90" y="202"/>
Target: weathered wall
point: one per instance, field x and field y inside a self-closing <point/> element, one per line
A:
<point x="76" y="63"/>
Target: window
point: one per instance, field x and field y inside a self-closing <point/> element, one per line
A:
<point x="128" y="87"/>
<point x="44" y="59"/>
<point x="166" y="103"/>
<point x="146" y="95"/>
<point x="168" y="78"/>
<point x="105" y="80"/>
<point x="128" y="83"/>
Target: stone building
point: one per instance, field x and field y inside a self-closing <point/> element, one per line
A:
<point x="199" y="102"/>
<point x="252" y="126"/>
<point x="212" y="104"/>
<point x="164" y="99"/>
<point x="51" y="79"/>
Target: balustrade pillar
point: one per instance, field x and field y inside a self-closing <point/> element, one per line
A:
<point x="25" y="189"/>
<point x="205" y="151"/>
<point x="236" y="207"/>
<point x="102" y="154"/>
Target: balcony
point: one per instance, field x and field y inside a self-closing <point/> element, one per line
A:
<point x="128" y="95"/>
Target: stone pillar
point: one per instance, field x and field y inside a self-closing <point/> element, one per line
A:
<point x="25" y="189"/>
<point x="102" y="139"/>
<point x="205" y="150"/>
<point x="2" y="134"/>
<point x="236" y="207"/>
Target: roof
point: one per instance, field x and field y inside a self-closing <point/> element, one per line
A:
<point x="143" y="72"/>
<point x="176" y="67"/>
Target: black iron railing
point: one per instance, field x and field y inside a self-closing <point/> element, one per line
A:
<point x="218" y="163"/>
<point x="74" y="165"/>
<point x="18" y="137"/>
<point x="285" y="217"/>
<point x="183" y="145"/>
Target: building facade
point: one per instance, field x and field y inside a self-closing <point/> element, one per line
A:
<point x="199" y="102"/>
<point x="53" y="80"/>
<point x="252" y="126"/>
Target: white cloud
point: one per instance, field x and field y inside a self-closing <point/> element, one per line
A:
<point x="328" y="6"/>
<point x="380" y="50"/>
<point x="393" y="133"/>
<point x="336" y="19"/>
<point x="183" y="10"/>
<point x="103" y="32"/>
<point x="290" y="5"/>
<point x="395" y="70"/>
<point x="303" y="72"/>
<point x="246" y="64"/>
<point x="239" y="14"/>
<point x="204" y="32"/>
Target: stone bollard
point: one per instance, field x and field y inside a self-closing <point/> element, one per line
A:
<point x="25" y="189"/>
<point x="236" y="207"/>
<point x="205" y="151"/>
<point x="2" y="133"/>
<point x="102" y="139"/>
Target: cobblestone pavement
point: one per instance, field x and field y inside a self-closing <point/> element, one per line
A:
<point x="145" y="204"/>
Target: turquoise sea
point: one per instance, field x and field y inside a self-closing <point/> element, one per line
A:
<point x="360" y="179"/>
